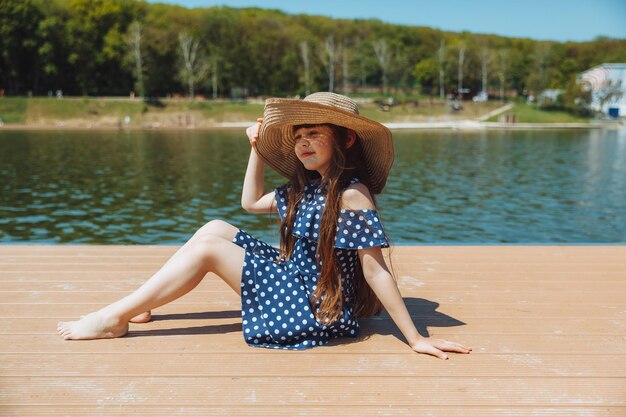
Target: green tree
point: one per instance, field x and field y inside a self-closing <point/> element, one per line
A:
<point x="575" y="99"/>
<point x="426" y="72"/>
<point x="135" y="55"/>
<point x="97" y="47"/>
<point x="161" y="26"/>
<point x="19" y="42"/>
<point x="193" y="63"/>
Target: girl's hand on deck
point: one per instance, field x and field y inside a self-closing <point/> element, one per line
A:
<point x="438" y="347"/>
<point x="253" y="132"/>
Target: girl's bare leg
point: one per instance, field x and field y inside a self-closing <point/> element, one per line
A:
<point x="216" y="227"/>
<point x="209" y="251"/>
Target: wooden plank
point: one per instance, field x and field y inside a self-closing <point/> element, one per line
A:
<point x="530" y="296"/>
<point x="433" y="257"/>
<point x="207" y="338"/>
<point x="468" y="251"/>
<point x="562" y="278"/>
<point x="475" y="326"/>
<point x="416" y="307"/>
<point x="403" y="260"/>
<point x="84" y="250"/>
<point x="148" y="267"/>
<point x="396" y="390"/>
<point x="405" y="283"/>
<point x="109" y="409"/>
<point x="309" y="365"/>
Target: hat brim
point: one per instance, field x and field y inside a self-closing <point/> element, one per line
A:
<point x="276" y="143"/>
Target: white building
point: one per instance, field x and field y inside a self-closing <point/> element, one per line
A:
<point x="607" y="83"/>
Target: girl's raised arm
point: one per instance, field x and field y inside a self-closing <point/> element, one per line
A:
<point x="253" y="197"/>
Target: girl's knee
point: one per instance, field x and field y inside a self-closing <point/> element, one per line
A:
<point x="213" y="226"/>
<point x="219" y="228"/>
<point x="209" y="247"/>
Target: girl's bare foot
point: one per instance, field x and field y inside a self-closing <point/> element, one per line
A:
<point x="142" y="318"/>
<point x="92" y="326"/>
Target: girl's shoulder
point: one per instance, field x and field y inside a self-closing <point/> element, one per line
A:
<point x="358" y="225"/>
<point x="357" y="196"/>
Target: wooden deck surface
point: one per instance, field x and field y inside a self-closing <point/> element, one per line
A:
<point x="547" y="325"/>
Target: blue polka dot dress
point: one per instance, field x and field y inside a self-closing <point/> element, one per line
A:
<point x="275" y="307"/>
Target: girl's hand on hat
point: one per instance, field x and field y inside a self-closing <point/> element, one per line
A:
<point x="253" y="132"/>
<point x="438" y="347"/>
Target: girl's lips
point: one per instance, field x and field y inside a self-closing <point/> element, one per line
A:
<point x="305" y="154"/>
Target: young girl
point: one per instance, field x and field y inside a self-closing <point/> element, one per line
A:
<point x="329" y="269"/>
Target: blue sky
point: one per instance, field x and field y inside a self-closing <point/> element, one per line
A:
<point x="560" y="20"/>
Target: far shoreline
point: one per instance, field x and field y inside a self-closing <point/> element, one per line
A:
<point x="449" y="125"/>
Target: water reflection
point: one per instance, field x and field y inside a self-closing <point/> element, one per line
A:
<point x="510" y="187"/>
<point x="445" y="187"/>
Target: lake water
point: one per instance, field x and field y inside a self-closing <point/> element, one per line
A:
<point x="446" y="187"/>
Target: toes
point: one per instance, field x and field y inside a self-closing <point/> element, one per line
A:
<point x="69" y="334"/>
<point x="64" y="325"/>
<point x="64" y="329"/>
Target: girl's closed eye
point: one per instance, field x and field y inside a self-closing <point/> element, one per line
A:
<point x="311" y="136"/>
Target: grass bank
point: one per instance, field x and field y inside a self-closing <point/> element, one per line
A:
<point x="112" y="111"/>
<point x="530" y="113"/>
<point x="115" y="112"/>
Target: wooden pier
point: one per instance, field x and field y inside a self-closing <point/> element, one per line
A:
<point x="547" y="325"/>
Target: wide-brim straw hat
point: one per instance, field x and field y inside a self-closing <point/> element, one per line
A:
<point x="276" y="140"/>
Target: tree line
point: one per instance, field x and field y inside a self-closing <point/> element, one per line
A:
<point x="112" y="47"/>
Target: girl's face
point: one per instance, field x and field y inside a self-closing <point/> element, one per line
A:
<point x="314" y="147"/>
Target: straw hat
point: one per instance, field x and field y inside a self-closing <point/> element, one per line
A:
<point x="276" y="143"/>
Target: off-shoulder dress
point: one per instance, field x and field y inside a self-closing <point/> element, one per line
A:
<point x="275" y="308"/>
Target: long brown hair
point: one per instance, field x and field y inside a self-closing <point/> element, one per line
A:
<point x="346" y="164"/>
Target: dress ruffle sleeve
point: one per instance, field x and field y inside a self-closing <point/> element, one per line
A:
<point x="280" y="197"/>
<point x="359" y="229"/>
